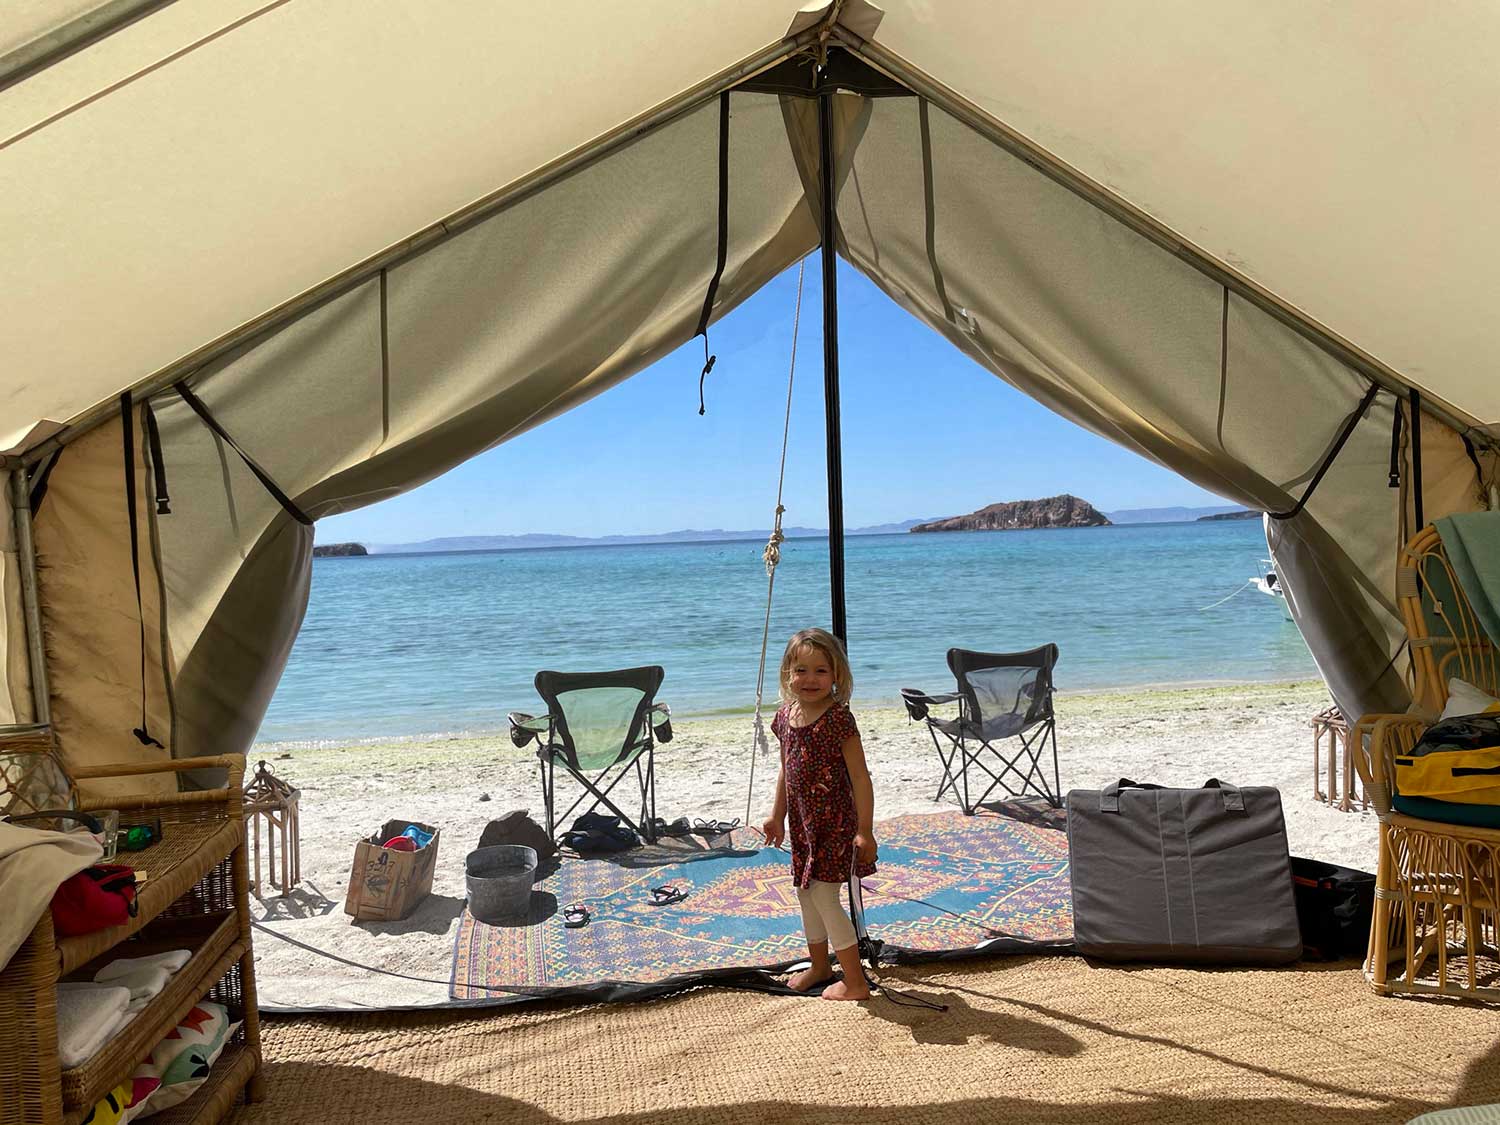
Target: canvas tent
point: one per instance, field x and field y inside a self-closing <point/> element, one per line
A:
<point x="328" y="251"/>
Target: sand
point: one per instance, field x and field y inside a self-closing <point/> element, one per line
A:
<point x="1250" y="734"/>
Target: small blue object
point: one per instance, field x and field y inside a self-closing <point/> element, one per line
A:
<point x="418" y="837"/>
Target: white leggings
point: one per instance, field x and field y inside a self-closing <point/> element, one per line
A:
<point x="823" y="917"/>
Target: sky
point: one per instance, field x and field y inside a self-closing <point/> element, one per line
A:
<point x="926" y="432"/>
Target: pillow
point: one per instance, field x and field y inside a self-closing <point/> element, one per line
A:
<point x="124" y="1103"/>
<point x="182" y="1060"/>
<point x="1466" y="699"/>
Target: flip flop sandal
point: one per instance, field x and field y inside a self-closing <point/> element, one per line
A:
<point x="667" y="895"/>
<point x="576" y="917"/>
<point x="715" y="827"/>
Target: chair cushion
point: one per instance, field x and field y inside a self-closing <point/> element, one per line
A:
<point x="559" y="753"/>
<point x="1447" y="812"/>
<point x="1001" y="726"/>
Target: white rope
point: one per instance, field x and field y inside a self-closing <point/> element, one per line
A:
<point x="772" y="556"/>
<point x="1238" y="590"/>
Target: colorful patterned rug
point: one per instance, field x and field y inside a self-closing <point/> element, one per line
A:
<point x="947" y="884"/>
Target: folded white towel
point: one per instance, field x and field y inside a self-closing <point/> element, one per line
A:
<point x="171" y="960"/>
<point x="143" y="983"/>
<point x="87" y="1015"/>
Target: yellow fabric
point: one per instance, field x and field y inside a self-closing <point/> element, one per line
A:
<point x="1435" y="775"/>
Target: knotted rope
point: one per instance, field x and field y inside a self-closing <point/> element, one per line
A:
<point x="772" y="556"/>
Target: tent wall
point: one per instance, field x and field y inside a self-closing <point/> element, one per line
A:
<point x="92" y="629"/>
<point x="1120" y="336"/>
<point x="476" y="339"/>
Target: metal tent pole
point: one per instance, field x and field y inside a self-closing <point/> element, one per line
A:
<point x="20" y="502"/>
<point x="831" y="374"/>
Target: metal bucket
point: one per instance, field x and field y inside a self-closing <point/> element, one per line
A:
<point x="499" y="881"/>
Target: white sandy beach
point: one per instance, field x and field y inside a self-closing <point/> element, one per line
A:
<point x="1250" y="734"/>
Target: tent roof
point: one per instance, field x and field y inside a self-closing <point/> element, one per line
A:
<point x="210" y="161"/>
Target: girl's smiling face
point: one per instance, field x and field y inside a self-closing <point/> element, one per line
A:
<point x="811" y="675"/>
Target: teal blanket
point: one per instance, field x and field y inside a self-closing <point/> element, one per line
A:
<point x="1472" y="541"/>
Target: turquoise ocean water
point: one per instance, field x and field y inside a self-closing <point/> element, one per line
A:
<point x="410" y="645"/>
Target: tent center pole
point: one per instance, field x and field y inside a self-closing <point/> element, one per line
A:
<point x="30" y="602"/>
<point x="831" y="373"/>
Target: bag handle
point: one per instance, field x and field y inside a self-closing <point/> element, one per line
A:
<point x="1109" y="798"/>
<point x="1234" y="800"/>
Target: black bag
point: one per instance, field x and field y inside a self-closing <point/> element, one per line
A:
<point x="1334" y="905"/>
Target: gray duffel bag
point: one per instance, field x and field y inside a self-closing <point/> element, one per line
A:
<point x="1199" y="875"/>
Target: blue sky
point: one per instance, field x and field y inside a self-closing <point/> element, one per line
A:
<point x="926" y="432"/>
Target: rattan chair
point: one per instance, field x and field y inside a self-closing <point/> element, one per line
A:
<point x="1437" y="885"/>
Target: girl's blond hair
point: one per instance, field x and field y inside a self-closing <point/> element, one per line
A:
<point x="829" y="645"/>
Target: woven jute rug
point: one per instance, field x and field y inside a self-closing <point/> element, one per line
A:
<point x="947" y="882"/>
<point x="1043" y="1039"/>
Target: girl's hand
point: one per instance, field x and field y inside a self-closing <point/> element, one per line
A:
<point x="775" y="831"/>
<point x="864" y="846"/>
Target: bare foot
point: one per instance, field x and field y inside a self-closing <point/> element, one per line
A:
<point x="843" y="990"/>
<point x="807" y="980"/>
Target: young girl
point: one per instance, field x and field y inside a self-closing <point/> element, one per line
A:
<point x="825" y="786"/>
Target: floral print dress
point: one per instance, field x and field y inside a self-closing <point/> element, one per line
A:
<point x="821" y="817"/>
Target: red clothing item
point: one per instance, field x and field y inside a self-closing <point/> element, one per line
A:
<point x="821" y="817"/>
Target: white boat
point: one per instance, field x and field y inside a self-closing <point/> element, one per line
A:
<point x="1267" y="583"/>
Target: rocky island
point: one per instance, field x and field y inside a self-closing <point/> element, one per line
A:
<point x="1247" y="514"/>
<point x="340" y="551"/>
<point x="1018" y="515"/>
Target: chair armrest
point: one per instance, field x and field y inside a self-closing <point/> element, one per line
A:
<point x="917" y="702"/>
<point x="660" y="718"/>
<point x="229" y="795"/>
<point x="1374" y="741"/>
<point x="524" y="728"/>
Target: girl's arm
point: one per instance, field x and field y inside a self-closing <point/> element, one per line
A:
<point x="775" y="825"/>
<point x="864" y="797"/>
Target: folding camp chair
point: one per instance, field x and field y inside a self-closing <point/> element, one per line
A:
<point x="598" y="723"/>
<point x="1000" y="696"/>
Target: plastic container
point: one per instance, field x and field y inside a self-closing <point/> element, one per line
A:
<point x="499" y="880"/>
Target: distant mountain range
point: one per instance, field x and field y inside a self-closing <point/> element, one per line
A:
<point x="693" y="535"/>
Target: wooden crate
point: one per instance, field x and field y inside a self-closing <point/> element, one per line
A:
<point x="386" y="884"/>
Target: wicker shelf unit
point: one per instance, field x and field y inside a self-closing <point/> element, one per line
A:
<point x="195" y="897"/>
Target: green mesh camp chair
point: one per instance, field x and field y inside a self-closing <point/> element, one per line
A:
<point x="600" y="727"/>
<point x="1001" y="696"/>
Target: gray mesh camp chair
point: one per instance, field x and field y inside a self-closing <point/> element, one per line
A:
<point x="598" y="724"/>
<point x="1001" y="696"/>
